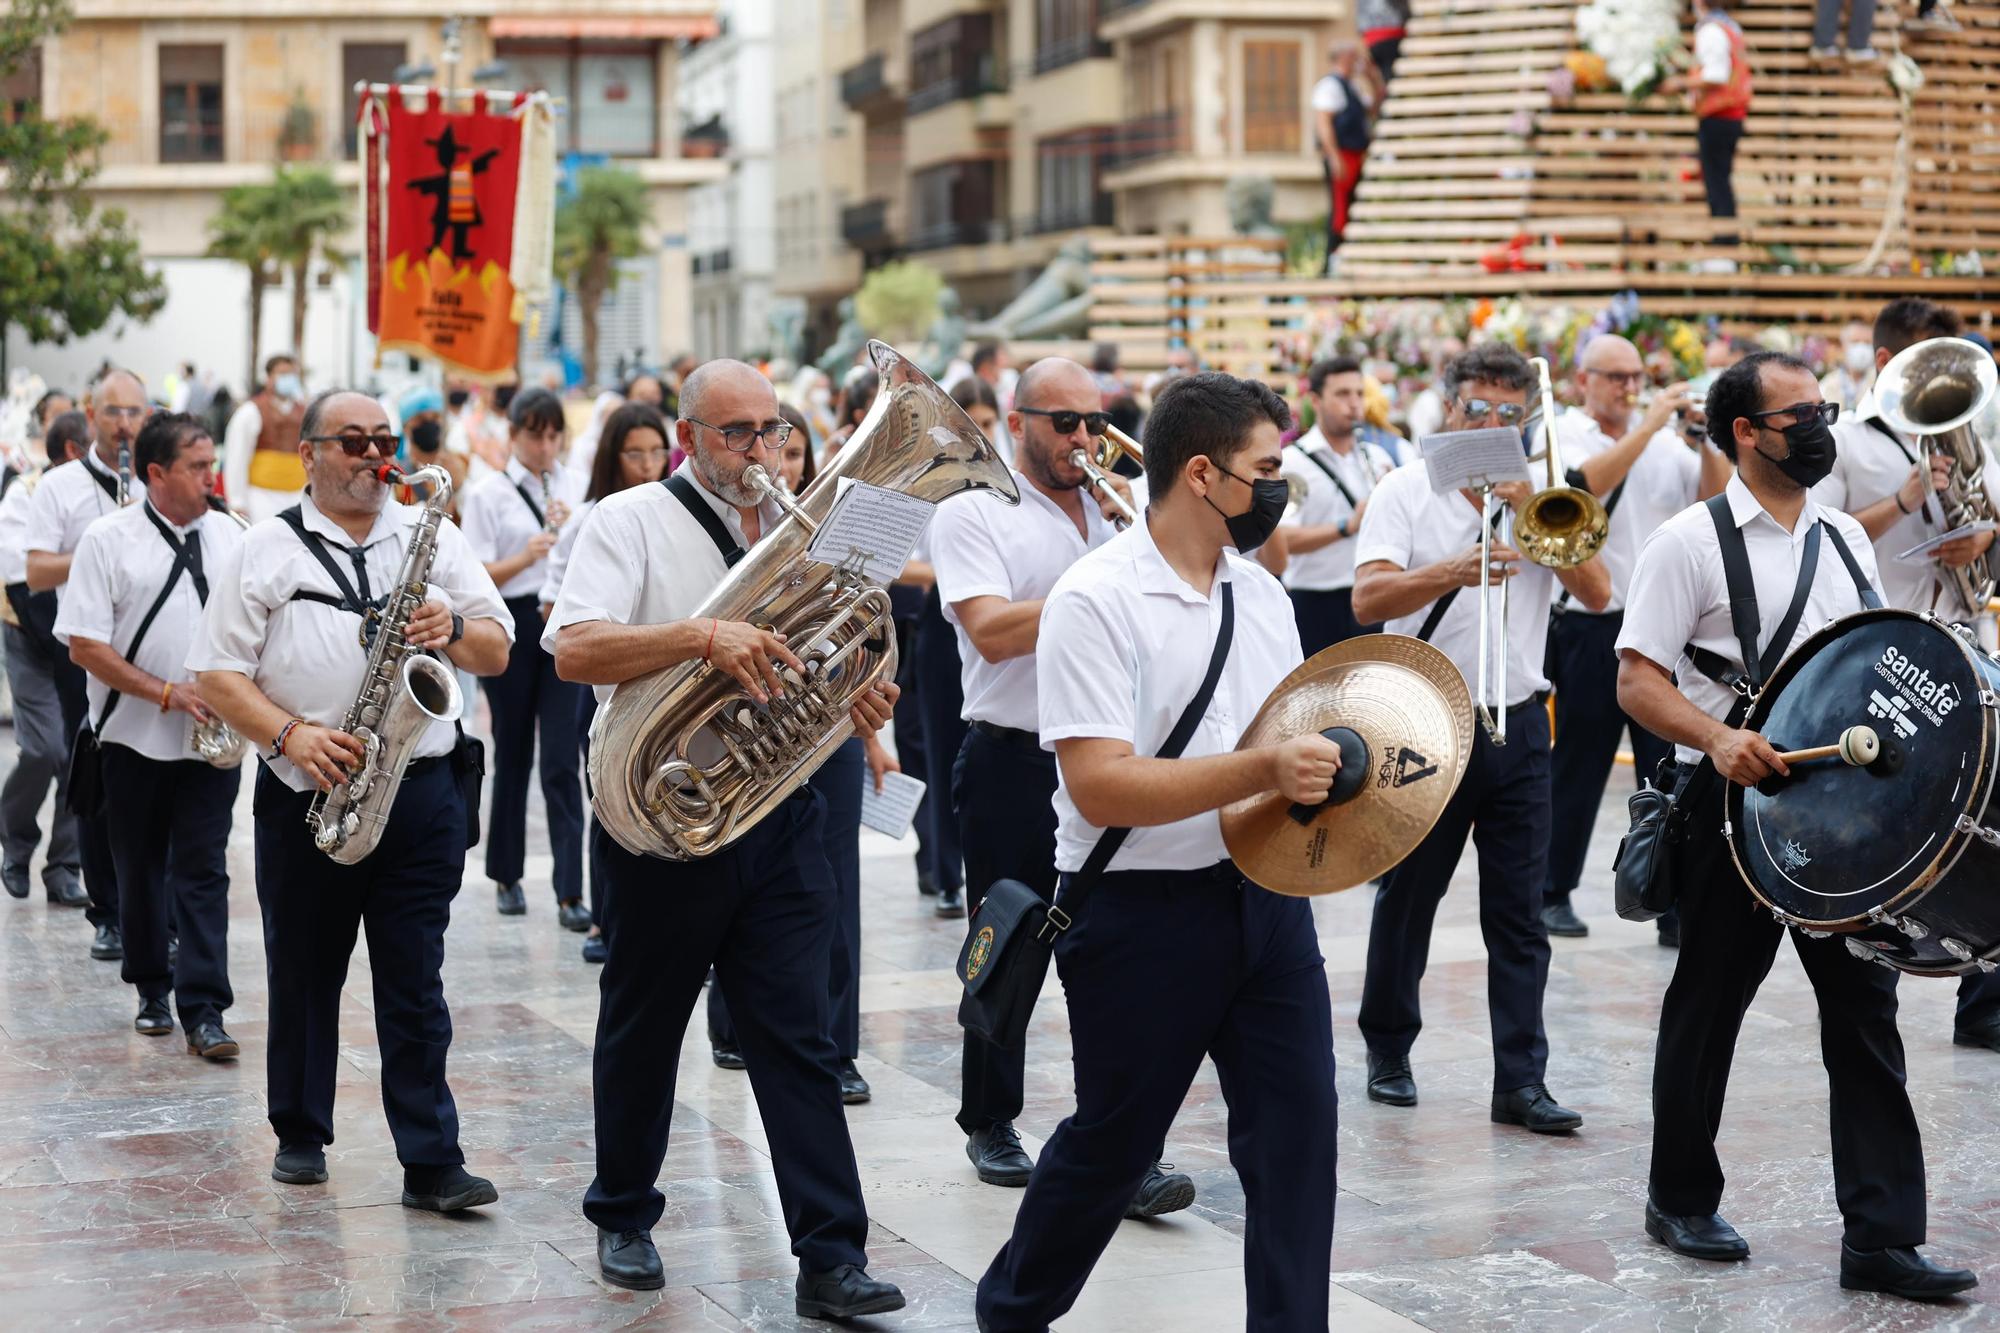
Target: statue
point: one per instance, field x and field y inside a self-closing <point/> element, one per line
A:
<point x="787" y="322"/>
<point x="847" y="342"/>
<point x="1055" y="305"/>
<point x="1249" y="201"/>
<point x="947" y="335"/>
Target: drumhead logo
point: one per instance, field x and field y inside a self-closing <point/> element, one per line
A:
<point x="1792" y="857"/>
<point x="982" y="949"/>
<point x="1915" y="691"/>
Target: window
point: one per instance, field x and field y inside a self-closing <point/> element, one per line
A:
<point x="1065" y="32"/>
<point x="22" y="88"/>
<point x="955" y="204"/>
<point x="1273" y="101"/>
<point x="366" y="62"/>
<point x="190" y="104"/>
<point x="609" y="87"/>
<point x="1068" y="166"/>
<point x="953" y="59"/>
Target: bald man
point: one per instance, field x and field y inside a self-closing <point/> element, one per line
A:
<point x="761" y="911"/>
<point x="1646" y="467"/>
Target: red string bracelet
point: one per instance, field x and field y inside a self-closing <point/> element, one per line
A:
<point x="712" y="623"/>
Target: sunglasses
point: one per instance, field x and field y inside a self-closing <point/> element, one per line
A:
<point x="1802" y="412"/>
<point x="1478" y="409"/>
<point x="356" y="446"/>
<point x="1065" y="422"/>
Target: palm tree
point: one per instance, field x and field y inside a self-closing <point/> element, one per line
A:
<point x="278" y="226"/>
<point x="241" y="230"/>
<point x="601" y="222"/>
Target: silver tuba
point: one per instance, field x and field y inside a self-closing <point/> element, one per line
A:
<point x="402" y="692"/>
<point x="1933" y="391"/>
<point x="682" y="761"/>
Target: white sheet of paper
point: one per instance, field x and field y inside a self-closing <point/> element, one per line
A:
<point x="891" y="809"/>
<point x="1469" y="459"/>
<point x="871" y="528"/>
<point x="1922" y="550"/>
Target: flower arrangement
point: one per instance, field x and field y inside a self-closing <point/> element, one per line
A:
<point x="1638" y="40"/>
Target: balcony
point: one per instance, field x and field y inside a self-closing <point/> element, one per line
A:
<point x="872" y="87"/>
<point x="987" y="78"/>
<point x="1068" y="51"/>
<point x="1161" y="134"/>
<point x="939" y="236"/>
<point x="713" y="262"/>
<point x="1109" y="8"/>
<point x="865" y="226"/>
<point x="1099" y="212"/>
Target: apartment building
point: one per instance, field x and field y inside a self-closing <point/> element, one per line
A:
<point x="726" y="106"/>
<point x="200" y="95"/>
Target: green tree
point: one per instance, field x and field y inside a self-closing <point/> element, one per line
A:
<point x="898" y="302"/>
<point x="66" y="266"/>
<point x="242" y="230"/>
<point x="600" y="222"/>
<point x="276" y="227"/>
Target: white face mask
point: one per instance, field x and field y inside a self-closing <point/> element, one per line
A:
<point x="1859" y="358"/>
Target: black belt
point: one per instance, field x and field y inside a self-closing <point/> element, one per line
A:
<point x="419" y="767"/>
<point x="1014" y="736"/>
<point x="1539" y="699"/>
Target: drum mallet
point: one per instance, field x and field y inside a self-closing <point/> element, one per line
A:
<point x="1859" y="746"/>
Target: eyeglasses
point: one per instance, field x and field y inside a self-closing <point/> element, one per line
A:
<point x="1801" y="412"/>
<point x="1065" y="423"/>
<point x="738" y="439"/>
<point x="356" y="446"/>
<point x="122" y="413"/>
<point x="643" y="455"/>
<point x="1625" y="377"/>
<point x="1478" y="409"/>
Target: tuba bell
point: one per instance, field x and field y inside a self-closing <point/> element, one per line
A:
<point x="682" y="761"/>
<point x="1933" y="391"/>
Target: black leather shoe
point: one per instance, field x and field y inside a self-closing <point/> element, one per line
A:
<point x="16" y="879"/>
<point x="926" y="886"/>
<point x="1162" y="1191"/>
<point x="1983" y="1034"/>
<point x="628" y="1259"/>
<point x="210" y="1042"/>
<point x="445" y="1189"/>
<point x="1901" y="1272"/>
<point x="1533" y="1108"/>
<point x="595" y="950"/>
<point x="998" y="1156"/>
<point x="63" y="887"/>
<point x="573" y="915"/>
<point x="1561" y="919"/>
<point x="154" y="1020"/>
<point x="951" y="903"/>
<point x="509" y="900"/>
<point x="845" y="1293"/>
<point x="1390" y="1081"/>
<point x="299" y="1164"/>
<point x="109" y="945"/>
<point x="1697" y="1237"/>
<point x="727" y="1057"/>
<point x="853" y="1088"/>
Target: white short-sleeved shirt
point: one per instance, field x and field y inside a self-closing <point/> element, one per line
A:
<point x="1360" y="469"/>
<point x="306" y="656"/>
<point x="14" y="508"/>
<point x="984" y="547"/>
<point x="645" y="560"/>
<point x="1680" y="594"/>
<point x="1410" y="526"/>
<point x="119" y="568"/>
<point x="1328" y="95"/>
<point x="1869" y="467"/>
<point x="1711" y="51"/>
<point x="557" y="564"/>
<point x="1665" y="479"/>
<point x="70" y="498"/>
<point x="1125" y="643"/>
<point x="498" y="521"/>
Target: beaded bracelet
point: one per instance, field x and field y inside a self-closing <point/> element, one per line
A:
<point x="278" y="745"/>
<point x="166" y="695"/>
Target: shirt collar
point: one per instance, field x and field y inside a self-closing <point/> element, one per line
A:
<point x="171" y="526"/>
<point x="768" y="511"/>
<point x="97" y="465"/>
<point x="387" y="522"/>
<point x="1155" y="575"/>
<point x="1093" y="515"/>
<point x="1745" y="509"/>
<point x="518" y="472"/>
<point x="1868" y="408"/>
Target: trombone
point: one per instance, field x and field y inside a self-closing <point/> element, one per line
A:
<point x="1559" y="527"/>
<point x="1113" y="444"/>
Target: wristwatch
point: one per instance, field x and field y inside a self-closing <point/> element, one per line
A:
<point x="457" y="629"/>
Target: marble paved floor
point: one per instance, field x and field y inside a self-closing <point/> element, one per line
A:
<point x="134" y="1186"/>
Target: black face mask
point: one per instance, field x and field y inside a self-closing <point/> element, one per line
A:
<point x="1254" y="526"/>
<point x="426" y="436"/>
<point x="1812" y="452"/>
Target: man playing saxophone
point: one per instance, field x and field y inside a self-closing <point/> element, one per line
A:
<point x="281" y="657"/>
<point x="761" y="910"/>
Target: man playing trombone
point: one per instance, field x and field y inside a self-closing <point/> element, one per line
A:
<point x="1417" y="551"/>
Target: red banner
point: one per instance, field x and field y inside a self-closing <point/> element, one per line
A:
<point x="448" y="207"/>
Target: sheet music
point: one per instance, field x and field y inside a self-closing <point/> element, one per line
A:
<point x="1468" y="459"/>
<point x="871" y="529"/>
<point x="891" y="809"/>
<point x="1923" y="549"/>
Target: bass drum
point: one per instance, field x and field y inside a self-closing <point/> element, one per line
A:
<point x="1902" y="854"/>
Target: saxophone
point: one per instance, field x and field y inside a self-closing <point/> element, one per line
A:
<point x="1933" y="391"/>
<point x="402" y="692"/>
<point x="682" y="761"/>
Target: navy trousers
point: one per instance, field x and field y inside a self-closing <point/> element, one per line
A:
<point x="762" y="912"/>
<point x="1583" y="667"/>
<point x="41" y="759"/>
<point x="941" y="695"/>
<point x="1326" y="618"/>
<point x="838" y="782"/>
<point x="1160" y="969"/>
<point x="100" y="871"/>
<point x="1728" y="942"/>
<point x="401" y="895"/>
<point x="1002" y="792"/>
<point x="912" y="746"/>
<point x="528" y="697"/>
<point x="1978" y="999"/>
<point x="169" y="832"/>
<point x="1504" y="803"/>
<point x="586" y="713"/>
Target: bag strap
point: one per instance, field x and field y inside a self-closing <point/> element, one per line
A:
<point x="152" y="613"/>
<point x="1443" y="604"/>
<point x="683" y="490"/>
<point x="529" y="501"/>
<point x="1333" y="476"/>
<point x="1882" y="428"/>
<point x="109" y="485"/>
<point x="188" y="551"/>
<point x="1111" y="840"/>
<point x="350" y="600"/>
<point x="1869" y="597"/>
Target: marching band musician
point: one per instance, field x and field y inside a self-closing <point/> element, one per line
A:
<point x="1879" y="478"/>
<point x="280" y="658"/>
<point x="1645" y="472"/>
<point x="70" y="498"/>
<point x="1417" y="551"/>
<point x="512" y="520"/>
<point x="995" y="564"/>
<point x="1175" y="955"/>
<point x="129" y="612"/>
<point x="1766" y="412"/>
<point x="761" y="911"/>
<point x="1340" y="471"/>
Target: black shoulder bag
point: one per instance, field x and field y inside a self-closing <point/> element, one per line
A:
<point x="1014" y="929"/>
<point x="1644" y="876"/>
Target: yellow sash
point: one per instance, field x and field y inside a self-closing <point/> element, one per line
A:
<point x="271" y="470"/>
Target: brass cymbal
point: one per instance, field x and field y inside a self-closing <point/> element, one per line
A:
<point x="1408" y="717"/>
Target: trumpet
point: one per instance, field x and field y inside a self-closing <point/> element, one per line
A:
<point x="1112" y="445"/>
